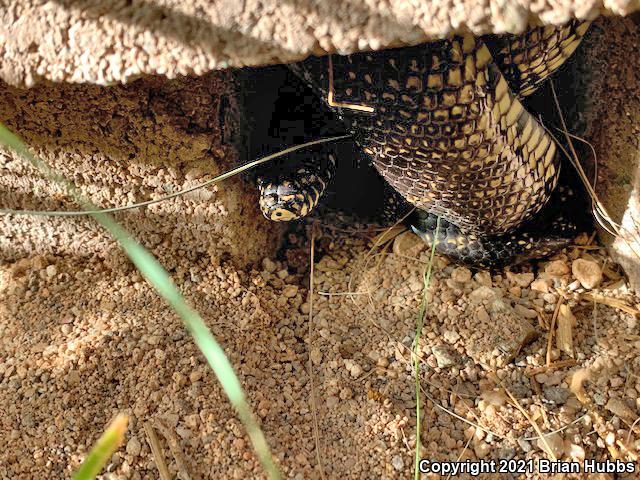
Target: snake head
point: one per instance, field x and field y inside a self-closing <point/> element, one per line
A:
<point x="286" y="201"/>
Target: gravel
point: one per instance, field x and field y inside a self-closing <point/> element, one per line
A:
<point x="92" y="340"/>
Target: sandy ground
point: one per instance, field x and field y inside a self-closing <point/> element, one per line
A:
<point x="83" y="337"/>
<point x="82" y="342"/>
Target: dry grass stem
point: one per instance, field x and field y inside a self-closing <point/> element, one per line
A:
<point x="156" y="451"/>
<point x="558" y="430"/>
<point x="552" y="328"/>
<point x="228" y="174"/>
<point x="314" y="406"/>
<point x="466" y="447"/>
<point x="549" y="368"/>
<point x="611" y="302"/>
<point x="631" y="428"/>
<point x="176" y="451"/>
<point x="600" y="213"/>
<point x="564" y="333"/>
<point x="533" y="423"/>
<point x="330" y="95"/>
<point x="455" y="415"/>
<point x="388" y="235"/>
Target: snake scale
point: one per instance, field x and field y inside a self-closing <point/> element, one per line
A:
<point x="444" y="124"/>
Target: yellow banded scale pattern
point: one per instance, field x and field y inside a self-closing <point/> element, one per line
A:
<point x="288" y="194"/>
<point x="529" y="59"/>
<point x="444" y="124"/>
<point x="447" y="132"/>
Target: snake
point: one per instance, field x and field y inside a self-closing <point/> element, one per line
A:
<point x="445" y="125"/>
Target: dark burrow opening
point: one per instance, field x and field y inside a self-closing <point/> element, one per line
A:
<point x="280" y="110"/>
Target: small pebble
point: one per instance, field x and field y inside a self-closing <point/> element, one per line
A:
<point x="461" y="275"/>
<point x="576" y="452"/>
<point x="557" y="395"/>
<point x="451" y="336"/>
<point x="541" y="285"/>
<point x="408" y="243"/>
<point x="443" y="356"/>
<point x="618" y="407"/>
<point x="520" y="279"/>
<point x="525" y="312"/>
<point x="556" y="269"/>
<point x="316" y="356"/>
<point x="483" y="293"/>
<point x="587" y="272"/>
<point x="290" y="291"/>
<point x="483" y="278"/>
<point x="397" y="463"/>
<point x="268" y="265"/>
<point x="51" y="271"/>
<point x="524" y="445"/>
<point x="481" y="449"/>
<point x="555" y="442"/>
<point x="133" y="447"/>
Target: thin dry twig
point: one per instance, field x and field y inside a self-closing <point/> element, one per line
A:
<point x="633" y="425"/>
<point x="549" y="368"/>
<point x="466" y="446"/>
<point x="314" y="407"/>
<point x="219" y="178"/>
<point x="558" y="430"/>
<point x="600" y="213"/>
<point x="594" y="318"/>
<point x="533" y="423"/>
<point x="564" y="333"/>
<point x="593" y="151"/>
<point x="385" y="237"/>
<point x="341" y="294"/>
<point x="552" y="328"/>
<point x="625" y="448"/>
<point x="388" y="235"/>
<point x="156" y="451"/>
<point x="176" y="451"/>
<point x="333" y="103"/>
<point x="455" y="415"/>
<point x="611" y="302"/>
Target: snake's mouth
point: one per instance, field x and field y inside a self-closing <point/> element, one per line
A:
<point x="282" y="215"/>
<point x="283" y="203"/>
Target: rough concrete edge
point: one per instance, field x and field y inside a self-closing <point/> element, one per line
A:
<point x="113" y="42"/>
<point x="128" y="143"/>
<point x="618" y="185"/>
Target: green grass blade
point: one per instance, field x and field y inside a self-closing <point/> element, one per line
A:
<point x="158" y="277"/>
<point x="103" y="449"/>
<point x="416" y="360"/>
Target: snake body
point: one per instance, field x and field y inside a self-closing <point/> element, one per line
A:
<point x="444" y="124"/>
